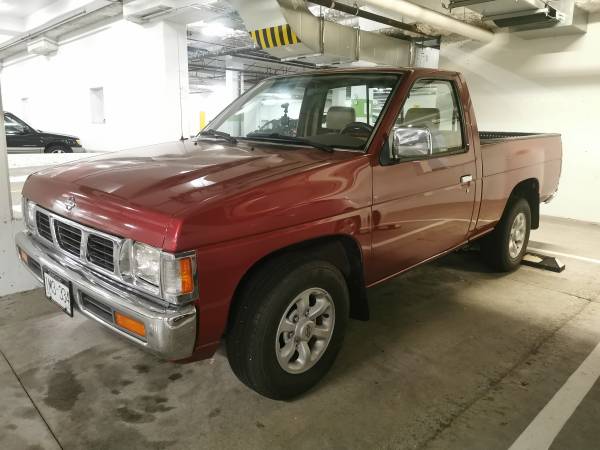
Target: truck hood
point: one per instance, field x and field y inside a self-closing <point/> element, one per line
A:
<point x="136" y="193"/>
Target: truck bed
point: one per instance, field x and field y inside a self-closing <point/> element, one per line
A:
<point x="491" y="137"/>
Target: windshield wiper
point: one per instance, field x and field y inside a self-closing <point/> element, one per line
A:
<point x="218" y="134"/>
<point x="291" y="139"/>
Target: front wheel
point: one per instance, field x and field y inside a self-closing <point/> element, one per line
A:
<point x="504" y="248"/>
<point x="59" y="148"/>
<point x="288" y="327"/>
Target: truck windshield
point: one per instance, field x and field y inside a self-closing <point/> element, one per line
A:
<point x="335" y="110"/>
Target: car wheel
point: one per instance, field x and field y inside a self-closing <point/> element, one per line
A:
<point x="59" y="148"/>
<point x="504" y="248"/>
<point x="288" y="327"/>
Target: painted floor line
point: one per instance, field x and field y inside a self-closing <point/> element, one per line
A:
<point x="566" y="255"/>
<point x="540" y="433"/>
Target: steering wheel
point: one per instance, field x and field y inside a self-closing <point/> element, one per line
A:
<point x="357" y="128"/>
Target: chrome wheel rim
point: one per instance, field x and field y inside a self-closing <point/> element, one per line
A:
<point x="58" y="151"/>
<point x="305" y="330"/>
<point x="517" y="235"/>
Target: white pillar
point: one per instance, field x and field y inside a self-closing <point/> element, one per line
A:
<point x="233" y="86"/>
<point x="176" y="86"/>
<point x="233" y="79"/>
<point x="5" y="203"/>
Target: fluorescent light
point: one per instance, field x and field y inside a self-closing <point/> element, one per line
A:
<point x="213" y="29"/>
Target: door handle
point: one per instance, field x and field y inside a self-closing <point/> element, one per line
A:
<point x="466" y="179"/>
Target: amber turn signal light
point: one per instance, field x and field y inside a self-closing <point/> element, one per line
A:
<point x="187" y="276"/>
<point x="126" y="322"/>
<point x="23" y="256"/>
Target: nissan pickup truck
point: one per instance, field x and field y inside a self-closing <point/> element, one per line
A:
<point x="268" y="238"/>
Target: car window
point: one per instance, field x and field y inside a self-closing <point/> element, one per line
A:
<point x="353" y="103"/>
<point x="11" y="126"/>
<point x="338" y="110"/>
<point x="433" y="104"/>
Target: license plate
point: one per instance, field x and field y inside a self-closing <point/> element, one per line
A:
<point x="58" y="292"/>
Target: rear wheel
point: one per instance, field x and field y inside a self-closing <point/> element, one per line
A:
<point x="504" y="248"/>
<point x="288" y="327"/>
<point x="59" y="148"/>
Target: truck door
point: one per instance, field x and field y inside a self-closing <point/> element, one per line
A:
<point x="423" y="202"/>
<point x="20" y="137"/>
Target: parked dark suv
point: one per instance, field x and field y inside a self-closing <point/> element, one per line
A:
<point x="21" y="138"/>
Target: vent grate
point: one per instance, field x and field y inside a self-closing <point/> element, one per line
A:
<point x="43" y="225"/>
<point x="100" y="252"/>
<point x="68" y="237"/>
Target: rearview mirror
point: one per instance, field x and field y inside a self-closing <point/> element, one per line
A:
<point x="410" y="143"/>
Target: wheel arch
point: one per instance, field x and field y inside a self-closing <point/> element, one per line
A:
<point x="528" y="189"/>
<point x="343" y="251"/>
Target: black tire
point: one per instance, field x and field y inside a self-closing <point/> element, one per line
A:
<point x="251" y="340"/>
<point x="58" y="148"/>
<point x="495" y="246"/>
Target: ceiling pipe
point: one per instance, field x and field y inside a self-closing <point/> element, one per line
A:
<point x="356" y="11"/>
<point x="435" y="19"/>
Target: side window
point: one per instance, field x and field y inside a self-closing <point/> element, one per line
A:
<point x="358" y="103"/>
<point x="11" y="126"/>
<point x="432" y="104"/>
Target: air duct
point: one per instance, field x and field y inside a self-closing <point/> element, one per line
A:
<point x="402" y="8"/>
<point x="530" y="18"/>
<point x="287" y="30"/>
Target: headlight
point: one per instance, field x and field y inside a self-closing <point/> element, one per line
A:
<point x="28" y="210"/>
<point x="78" y="142"/>
<point x="146" y="263"/>
<point x="173" y="277"/>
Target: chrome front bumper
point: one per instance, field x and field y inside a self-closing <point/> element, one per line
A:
<point x="170" y="331"/>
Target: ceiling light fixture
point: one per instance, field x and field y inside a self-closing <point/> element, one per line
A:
<point x="214" y="29"/>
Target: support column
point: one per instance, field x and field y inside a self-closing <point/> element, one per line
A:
<point x="174" y="40"/>
<point x="5" y="202"/>
<point x="233" y="86"/>
<point x="233" y="77"/>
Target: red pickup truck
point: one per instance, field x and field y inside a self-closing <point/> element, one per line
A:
<point x="268" y="236"/>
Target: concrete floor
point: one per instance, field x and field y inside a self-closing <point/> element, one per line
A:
<point x="455" y="357"/>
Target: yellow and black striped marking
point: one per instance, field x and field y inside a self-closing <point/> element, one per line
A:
<point x="274" y="36"/>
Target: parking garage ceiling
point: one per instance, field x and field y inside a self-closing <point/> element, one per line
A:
<point x="219" y="39"/>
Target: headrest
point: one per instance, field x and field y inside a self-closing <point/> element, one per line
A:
<point x="418" y="117"/>
<point x="340" y="116"/>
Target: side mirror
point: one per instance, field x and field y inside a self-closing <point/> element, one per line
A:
<point x="410" y="143"/>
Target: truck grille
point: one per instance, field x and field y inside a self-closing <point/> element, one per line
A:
<point x="100" y="251"/>
<point x="43" y="225"/>
<point x="68" y="237"/>
<point x="72" y="238"/>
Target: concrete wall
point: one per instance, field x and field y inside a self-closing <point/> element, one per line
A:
<point x="542" y="85"/>
<point x="143" y="73"/>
